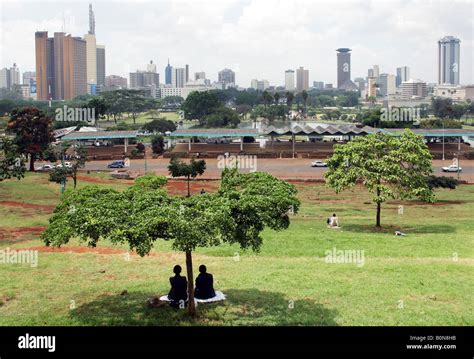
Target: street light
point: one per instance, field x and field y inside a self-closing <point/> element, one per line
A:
<point x="442" y="122"/>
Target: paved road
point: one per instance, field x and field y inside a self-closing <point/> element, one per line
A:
<point x="286" y="168"/>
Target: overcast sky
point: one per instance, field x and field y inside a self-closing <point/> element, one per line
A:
<point x="256" y="38"/>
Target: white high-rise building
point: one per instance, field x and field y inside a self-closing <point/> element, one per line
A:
<point x="151" y="67"/>
<point x="376" y="70"/>
<point x="448" y="60"/>
<point x="414" y="89"/>
<point x="387" y="84"/>
<point x="289" y="80"/>
<point x="178" y="77"/>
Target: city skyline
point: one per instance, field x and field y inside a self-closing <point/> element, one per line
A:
<point x="301" y="44"/>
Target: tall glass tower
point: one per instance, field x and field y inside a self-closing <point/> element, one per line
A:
<point x="448" y="60"/>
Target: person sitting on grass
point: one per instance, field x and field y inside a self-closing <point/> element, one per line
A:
<point x="178" y="293"/>
<point x="204" y="284"/>
<point x="333" y="221"/>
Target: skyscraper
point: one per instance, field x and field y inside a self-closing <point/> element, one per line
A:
<point x="187" y="74"/>
<point x="302" y="79"/>
<point x="61" y="66"/>
<point x="178" y="78"/>
<point x="403" y="74"/>
<point x="151" y="67"/>
<point x="343" y="66"/>
<point x="168" y="73"/>
<point x="100" y="65"/>
<point x="448" y="60"/>
<point x="9" y="77"/>
<point x="289" y="80"/>
<point x="376" y="71"/>
<point x="227" y="77"/>
<point x="387" y="84"/>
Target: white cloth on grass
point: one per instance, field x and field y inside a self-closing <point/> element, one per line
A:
<point x="217" y="298"/>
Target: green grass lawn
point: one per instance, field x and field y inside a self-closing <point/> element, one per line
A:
<point x="425" y="278"/>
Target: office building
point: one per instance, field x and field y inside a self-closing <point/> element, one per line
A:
<point x="61" y="66"/>
<point x="100" y="65"/>
<point x="168" y="73"/>
<point x="199" y="75"/>
<point x="115" y="82"/>
<point x="259" y="85"/>
<point x="178" y="78"/>
<point x="142" y="79"/>
<point x="302" y="79"/>
<point x="151" y="67"/>
<point x="227" y="77"/>
<point x="9" y="77"/>
<point x="414" y="89"/>
<point x="403" y="75"/>
<point x="318" y="85"/>
<point x="371" y="90"/>
<point x="387" y="84"/>
<point x="448" y="60"/>
<point x="456" y="93"/>
<point x="343" y="66"/>
<point x="28" y="76"/>
<point x="360" y="83"/>
<point x="289" y="80"/>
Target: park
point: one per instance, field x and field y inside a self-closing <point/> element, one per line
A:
<point x="95" y="248"/>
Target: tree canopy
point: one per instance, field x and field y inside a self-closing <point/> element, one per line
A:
<point x="388" y="166"/>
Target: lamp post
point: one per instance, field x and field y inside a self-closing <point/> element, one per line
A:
<point x="146" y="165"/>
<point x="442" y="122"/>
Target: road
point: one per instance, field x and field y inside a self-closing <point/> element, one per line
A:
<point x="286" y="168"/>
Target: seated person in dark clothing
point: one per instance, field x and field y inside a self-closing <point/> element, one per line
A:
<point x="179" y="288"/>
<point x="204" y="284"/>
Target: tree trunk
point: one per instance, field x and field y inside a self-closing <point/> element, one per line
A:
<point x="32" y="163"/>
<point x="378" y="209"/>
<point x="189" y="269"/>
<point x="74" y="178"/>
<point x="189" y="190"/>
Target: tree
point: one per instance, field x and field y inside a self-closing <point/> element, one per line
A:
<point x="200" y="104"/>
<point x="33" y="132"/>
<point x="289" y="99"/>
<point x="276" y="96"/>
<point x="12" y="163"/>
<point x="59" y="174"/>
<point x="160" y="125"/>
<point x="178" y="168"/>
<point x="388" y="166"/>
<point x="304" y="95"/>
<point x="267" y="98"/>
<point x="157" y="144"/>
<point x="142" y="214"/>
<point x="222" y="117"/>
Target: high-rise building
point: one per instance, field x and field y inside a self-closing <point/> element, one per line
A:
<point x="376" y="71"/>
<point x="91" y="50"/>
<point x="186" y="74"/>
<point x="259" y="85"/>
<point x="151" y="67"/>
<point x="142" y="79"/>
<point x="302" y="79"/>
<point x="319" y="85"/>
<point x="9" y="77"/>
<point x="178" y="78"/>
<point x="100" y="65"/>
<point x="414" y="88"/>
<point x="199" y="75"/>
<point x="387" y="84"/>
<point x="61" y="66"/>
<point x="227" y="77"/>
<point x="360" y="82"/>
<point x="91" y="21"/>
<point x="343" y="66"/>
<point x="28" y="76"/>
<point x="371" y="87"/>
<point x="403" y="74"/>
<point x="289" y="80"/>
<point x="448" y="60"/>
<point x="114" y="81"/>
<point x="168" y="73"/>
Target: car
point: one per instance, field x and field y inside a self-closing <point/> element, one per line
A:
<point x="116" y="164"/>
<point x="66" y="164"/>
<point x="318" y="164"/>
<point x="451" y="168"/>
<point x="45" y="168"/>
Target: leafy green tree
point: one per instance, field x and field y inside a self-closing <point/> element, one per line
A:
<point x="160" y="125"/>
<point x="198" y="105"/>
<point x="157" y="144"/>
<point x="222" y="117"/>
<point x="304" y="96"/>
<point x="290" y="97"/>
<point x="267" y="98"/>
<point x="276" y="97"/>
<point x="178" y="168"/>
<point x="12" y="163"/>
<point x="388" y="166"/>
<point x="142" y="214"/>
<point x="60" y="174"/>
<point x="33" y="132"/>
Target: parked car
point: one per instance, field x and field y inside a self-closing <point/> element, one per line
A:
<point x="116" y="164"/>
<point x="318" y="164"/>
<point x="451" y="168"/>
<point x="66" y="164"/>
<point x="44" y="168"/>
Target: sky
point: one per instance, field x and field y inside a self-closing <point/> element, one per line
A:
<point x="258" y="39"/>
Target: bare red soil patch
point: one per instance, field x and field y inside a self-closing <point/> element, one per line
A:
<point x="43" y="207"/>
<point x="91" y="179"/>
<point x="17" y="234"/>
<point x="181" y="187"/>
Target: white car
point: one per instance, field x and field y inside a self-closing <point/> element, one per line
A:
<point x="318" y="164"/>
<point x="45" y="168"/>
<point x="451" y="168"/>
<point x="66" y="164"/>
